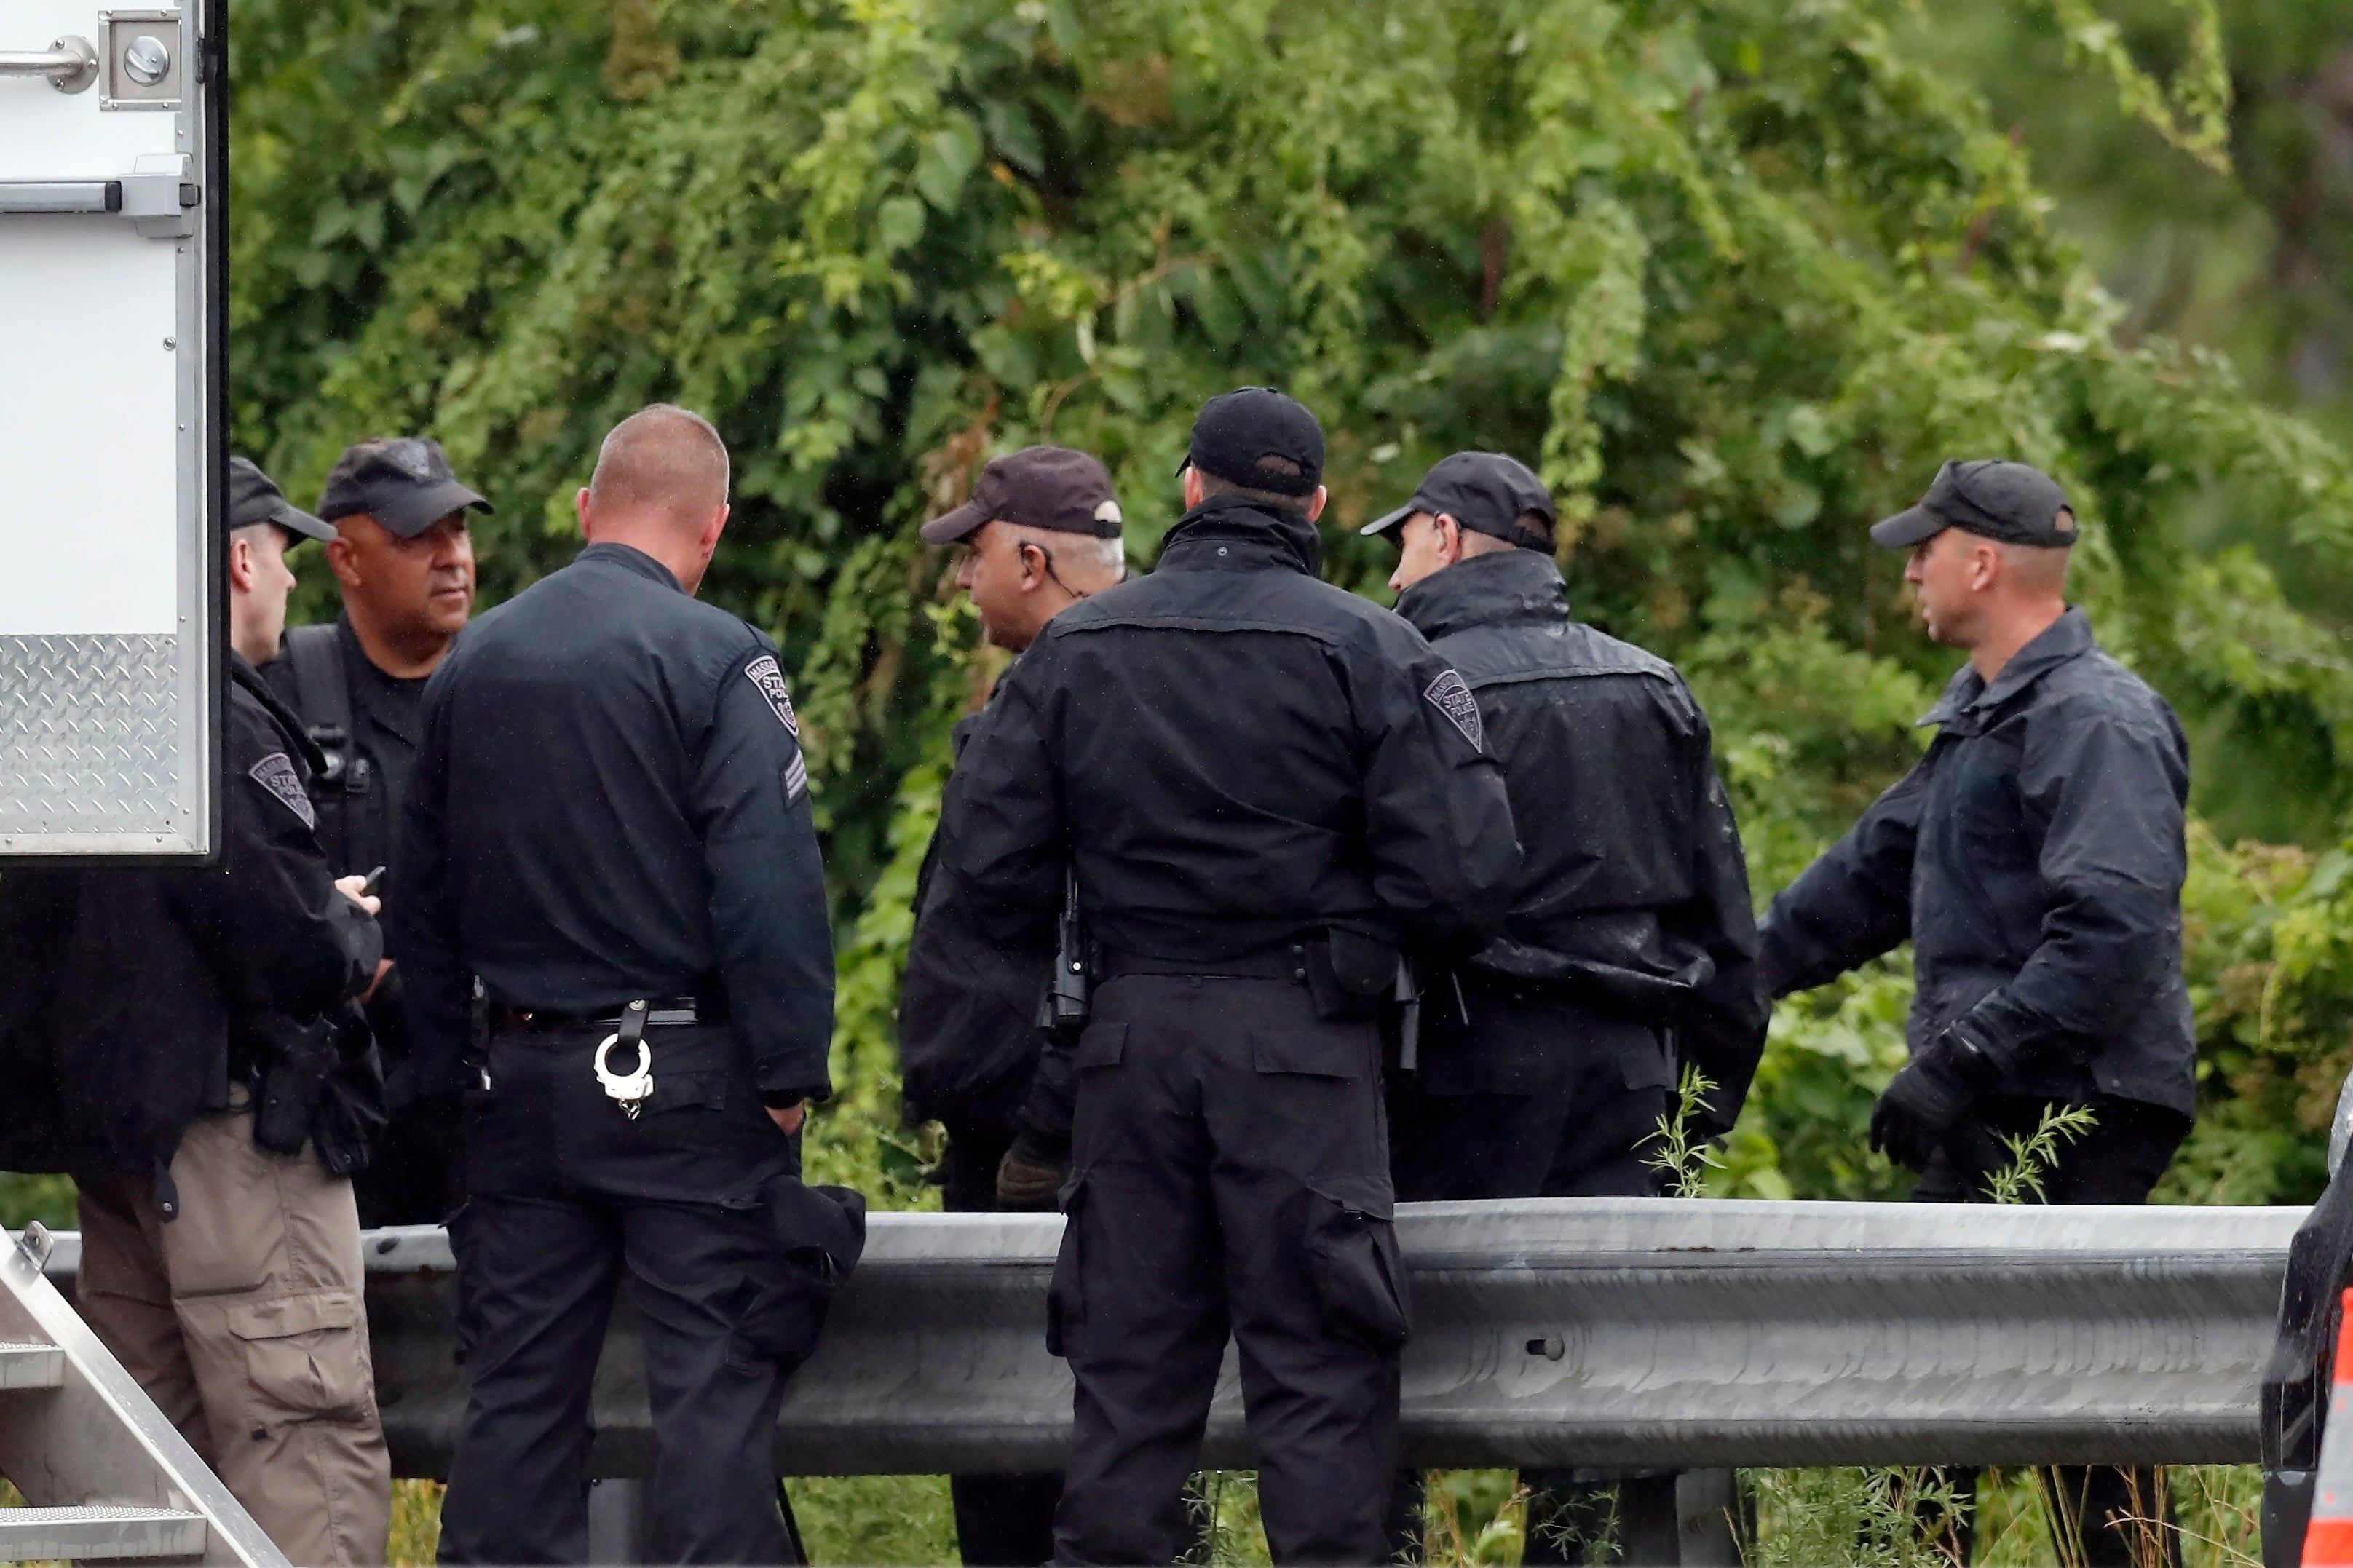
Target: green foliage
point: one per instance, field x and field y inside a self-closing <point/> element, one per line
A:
<point x="875" y="1519"/>
<point x="1682" y="1161"/>
<point x="2031" y="1157"/>
<point x="49" y="1199"/>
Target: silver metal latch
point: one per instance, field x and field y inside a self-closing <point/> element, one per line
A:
<point x="159" y="195"/>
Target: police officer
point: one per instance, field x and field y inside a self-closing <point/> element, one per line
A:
<point x="146" y="1019"/>
<point x="1264" y="785"/>
<point x="609" y="826"/>
<point x="405" y="564"/>
<point x="2034" y="859"/>
<point x="1040" y="532"/>
<point x="1548" y="1058"/>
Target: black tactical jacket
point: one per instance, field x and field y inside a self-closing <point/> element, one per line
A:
<point x="1235" y="754"/>
<point x="126" y="994"/>
<point x="381" y="716"/>
<point x="1632" y="895"/>
<point x="2035" y="859"/>
<point x="969" y="1045"/>
<point x="610" y="804"/>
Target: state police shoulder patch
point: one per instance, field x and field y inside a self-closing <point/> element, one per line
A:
<point x="1451" y="695"/>
<point x="763" y="673"/>
<point x="274" y="773"/>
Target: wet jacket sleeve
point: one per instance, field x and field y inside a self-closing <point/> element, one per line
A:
<point x="2108" y="795"/>
<point x="1723" y="1028"/>
<point x="437" y="992"/>
<point x="1853" y="904"/>
<point x="269" y="915"/>
<point x="773" y="936"/>
<point x="1002" y="843"/>
<point x="1438" y="820"/>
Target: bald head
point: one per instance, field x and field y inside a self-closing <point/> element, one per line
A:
<point x="661" y="486"/>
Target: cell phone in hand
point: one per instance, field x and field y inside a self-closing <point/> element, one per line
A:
<point x="368" y="888"/>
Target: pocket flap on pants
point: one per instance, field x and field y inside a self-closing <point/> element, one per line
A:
<point x="1101" y="1045"/>
<point x="283" y="1315"/>
<point x="1317" y="1053"/>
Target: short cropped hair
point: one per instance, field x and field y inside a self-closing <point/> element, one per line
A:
<point x="1213" y="485"/>
<point x="662" y="458"/>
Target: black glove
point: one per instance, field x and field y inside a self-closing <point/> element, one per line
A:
<point x="1030" y="1176"/>
<point x="1931" y="1092"/>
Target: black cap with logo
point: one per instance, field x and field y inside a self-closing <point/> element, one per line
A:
<point x="404" y="483"/>
<point x="1486" y="492"/>
<point x="1237" y="432"/>
<point x="1990" y="496"/>
<point x="1039" y="486"/>
<point x="254" y="497"/>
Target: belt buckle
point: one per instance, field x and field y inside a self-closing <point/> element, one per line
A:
<point x="629" y="1091"/>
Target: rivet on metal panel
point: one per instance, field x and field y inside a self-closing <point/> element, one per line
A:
<point x="1549" y="1347"/>
<point x="171" y="342"/>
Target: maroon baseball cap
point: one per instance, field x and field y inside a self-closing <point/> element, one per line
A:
<point x="1039" y="486"/>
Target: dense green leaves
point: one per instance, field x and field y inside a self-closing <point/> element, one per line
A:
<point x="1736" y="273"/>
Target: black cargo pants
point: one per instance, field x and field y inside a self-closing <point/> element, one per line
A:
<point x="2109" y="1517"/>
<point x="1002" y="1521"/>
<point x="1536" y="1097"/>
<point x="566" y="1196"/>
<point x="1229" y="1176"/>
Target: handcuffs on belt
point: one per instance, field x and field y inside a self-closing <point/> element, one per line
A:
<point x="631" y="1091"/>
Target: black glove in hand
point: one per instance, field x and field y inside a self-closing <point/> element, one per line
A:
<point x="1928" y="1097"/>
<point x="1029" y="1177"/>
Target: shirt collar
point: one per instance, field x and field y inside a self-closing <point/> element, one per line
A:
<point x="2069" y="636"/>
<point x="631" y="558"/>
<point x="1507" y="587"/>
<point x="1276" y="537"/>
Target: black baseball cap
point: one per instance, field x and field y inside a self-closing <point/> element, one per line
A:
<point x="404" y="483"/>
<point x="1038" y="487"/>
<point x="254" y="497"/>
<point x="1237" y="430"/>
<point x="1486" y="492"/>
<point x="1990" y="496"/>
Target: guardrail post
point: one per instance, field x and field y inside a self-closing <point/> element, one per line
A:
<point x="2328" y="1540"/>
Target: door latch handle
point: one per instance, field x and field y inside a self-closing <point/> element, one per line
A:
<point x="70" y="63"/>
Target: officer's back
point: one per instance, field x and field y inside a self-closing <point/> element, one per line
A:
<point x="571" y="714"/>
<point x="1230" y="740"/>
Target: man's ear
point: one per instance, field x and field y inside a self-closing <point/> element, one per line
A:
<point x="1315" y="505"/>
<point x="1985" y="563"/>
<point x="240" y="565"/>
<point x="1033" y="578"/>
<point x="1193" y="496"/>
<point x="343" y="562"/>
<point x="712" y="530"/>
<point x="580" y="505"/>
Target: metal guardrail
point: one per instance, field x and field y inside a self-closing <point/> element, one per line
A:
<point x="1608" y="1332"/>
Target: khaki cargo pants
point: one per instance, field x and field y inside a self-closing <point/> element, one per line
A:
<point x="243" y="1320"/>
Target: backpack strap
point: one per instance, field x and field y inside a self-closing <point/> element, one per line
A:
<point x="323" y="698"/>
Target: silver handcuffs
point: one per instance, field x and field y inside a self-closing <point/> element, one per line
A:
<point x="629" y="1091"/>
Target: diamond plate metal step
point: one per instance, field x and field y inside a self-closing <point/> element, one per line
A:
<point x="31" y="1366"/>
<point x="99" y="1534"/>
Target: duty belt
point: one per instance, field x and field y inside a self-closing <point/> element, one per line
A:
<point x="1287" y="963"/>
<point x="661" y="1013"/>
